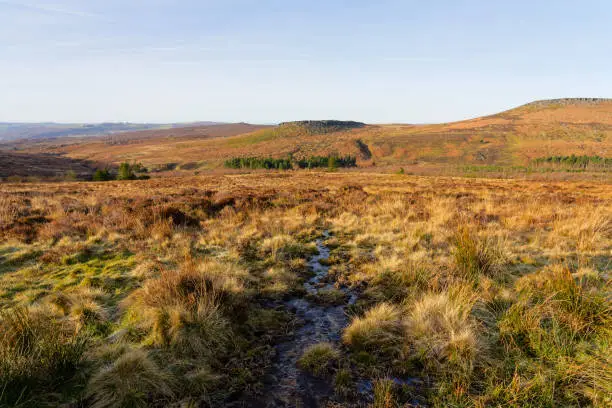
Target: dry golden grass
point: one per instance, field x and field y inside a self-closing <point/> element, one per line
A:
<point x="380" y="328"/>
<point x="131" y="381"/>
<point x="492" y="292"/>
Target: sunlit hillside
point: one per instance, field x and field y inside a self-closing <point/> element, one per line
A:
<point x="511" y="138"/>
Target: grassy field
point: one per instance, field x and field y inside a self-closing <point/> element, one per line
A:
<point x="189" y="291"/>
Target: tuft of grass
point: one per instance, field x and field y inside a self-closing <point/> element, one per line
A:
<point x="329" y="296"/>
<point x="319" y="359"/>
<point x="559" y="331"/>
<point x="343" y="381"/>
<point x="383" y="394"/>
<point x="284" y="248"/>
<point x="37" y="351"/>
<point x="8" y="211"/>
<point x="380" y="330"/>
<point x="182" y="310"/>
<point x="474" y="257"/>
<point x="442" y="335"/>
<point x="556" y="308"/>
<point x="133" y="380"/>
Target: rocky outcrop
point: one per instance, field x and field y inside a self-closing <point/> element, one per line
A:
<point x="324" y="126"/>
<point x="570" y="101"/>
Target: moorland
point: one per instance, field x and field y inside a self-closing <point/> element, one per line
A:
<point x="312" y="264"/>
<point x="193" y="291"/>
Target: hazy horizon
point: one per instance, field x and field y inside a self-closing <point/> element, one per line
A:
<point x="214" y="122"/>
<point x="271" y="61"/>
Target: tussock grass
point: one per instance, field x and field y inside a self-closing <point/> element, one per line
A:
<point x="474" y="256"/>
<point x="181" y="309"/>
<point x="559" y="329"/>
<point x="8" y="211"/>
<point x="380" y="330"/>
<point x="343" y="381"/>
<point x="280" y="281"/>
<point x="319" y="359"/>
<point x="133" y="380"/>
<point x="442" y="335"/>
<point x="37" y="351"/>
<point x="383" y="394"/>
<point x="491" y="292"/>
<point x="283" y="247"/>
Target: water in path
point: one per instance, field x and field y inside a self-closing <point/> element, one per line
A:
<point x="292" y="387"/>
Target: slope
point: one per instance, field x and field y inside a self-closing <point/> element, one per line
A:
<point x="511" y="138"/>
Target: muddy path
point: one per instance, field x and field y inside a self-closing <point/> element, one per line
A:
<point x="288" y="385"/>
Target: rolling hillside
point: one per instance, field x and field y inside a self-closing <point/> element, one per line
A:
<point x="511" y="138"/>
<point x="54" y="157"/>
<point x="16" y="131"/>
<point x="43" y="165"/>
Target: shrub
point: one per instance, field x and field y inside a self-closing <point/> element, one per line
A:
<point x="319" y="359"/>
<point x="133" y="380"/>
<point x="332" y="162"/>
<point x="128" y="171"/>
<point x="125" y="172"/>
<point x="102" y="175"/>
<point x="70" y="175"/>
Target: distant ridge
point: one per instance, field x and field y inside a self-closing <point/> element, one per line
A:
<point x="569" y="101"/>
<point x="49" y="130"/>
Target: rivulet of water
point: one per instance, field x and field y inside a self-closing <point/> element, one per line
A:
<point x="290" y="386"/>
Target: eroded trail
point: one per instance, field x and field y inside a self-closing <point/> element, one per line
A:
<point x="290" y="386"/>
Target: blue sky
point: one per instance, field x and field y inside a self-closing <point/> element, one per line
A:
<point x="268" y="61"/>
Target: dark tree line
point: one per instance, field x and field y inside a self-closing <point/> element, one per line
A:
<point x="327" y="161"/>
<point x="126" y="171"/>
<point x="331" y="161"/>
<point x="258" y="163"/>
<point x="575" y="162"/>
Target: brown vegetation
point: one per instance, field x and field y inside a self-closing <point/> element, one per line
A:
<point x="470" y="292"/>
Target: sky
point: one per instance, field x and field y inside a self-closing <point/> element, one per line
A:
<point x="268" y="61"/>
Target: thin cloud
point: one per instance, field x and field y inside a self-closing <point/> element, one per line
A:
<point x="50" y="9"/>
<point x="413" y="59"/>
<point x="66" y="44"/>
<point x="234" y="61"/>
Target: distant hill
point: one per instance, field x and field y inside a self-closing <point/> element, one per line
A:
<point x="16" y="131"/>
<point x="580" y="126"/>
